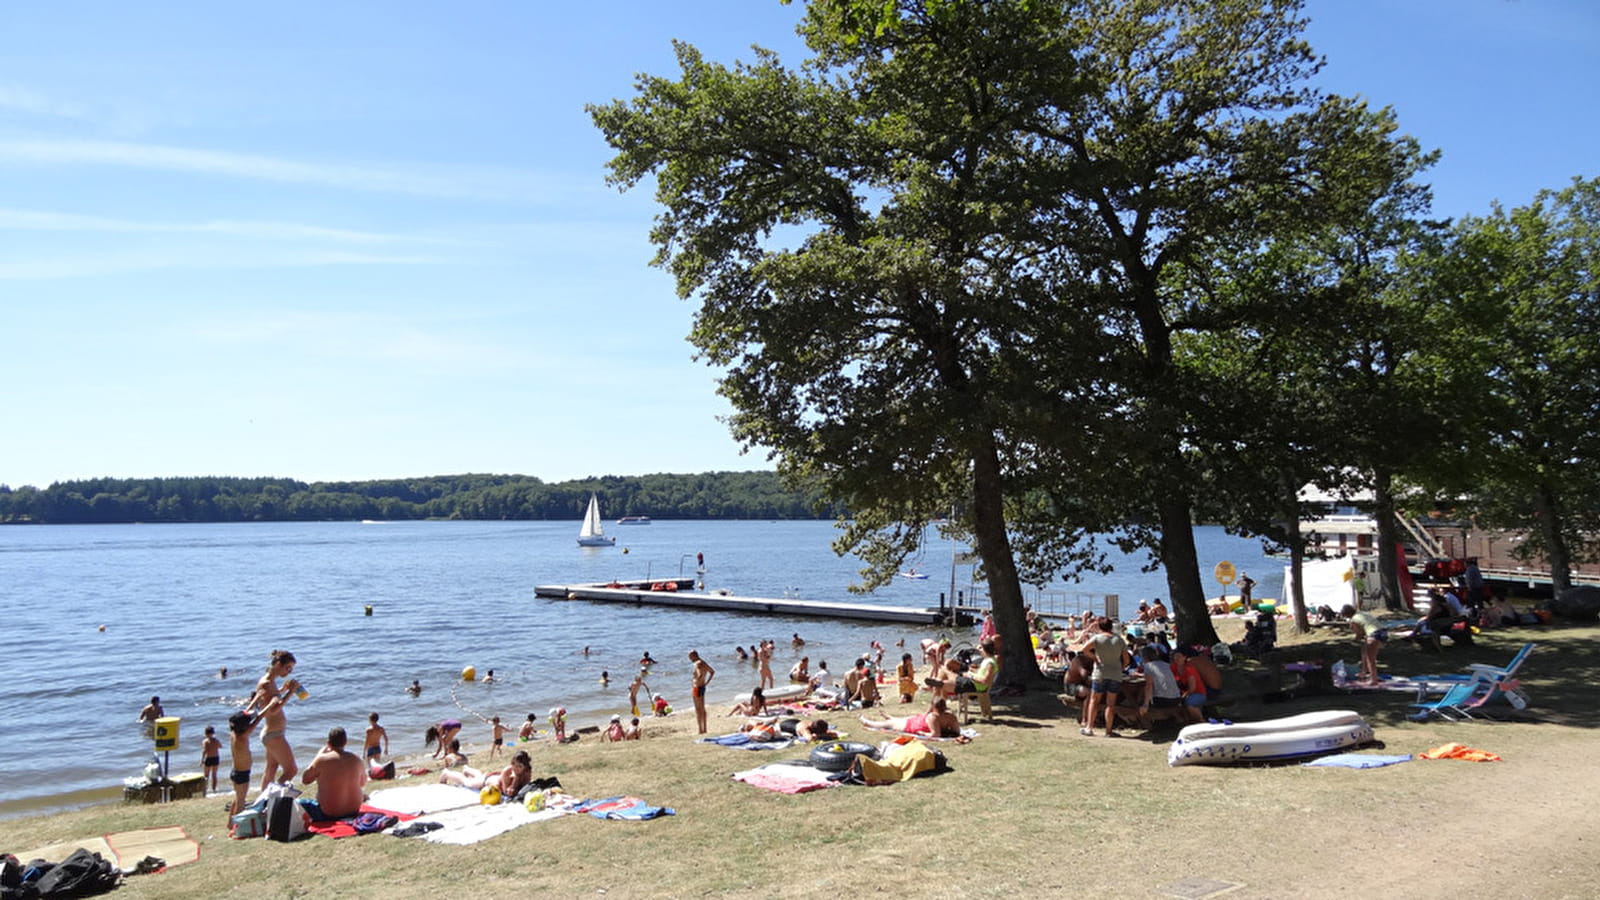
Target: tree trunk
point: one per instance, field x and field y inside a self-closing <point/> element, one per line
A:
<point x="1297" y="559"/>
<point x="1556" y="554"/>
<point x="1018" y="666"/>
<point x="1183" y="573"/>
<point x="1387" y="538"/>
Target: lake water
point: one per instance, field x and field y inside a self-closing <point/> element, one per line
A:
<point x="178" y="602"/>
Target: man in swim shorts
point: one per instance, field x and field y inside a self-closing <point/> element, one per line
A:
<point x="699" y="678"/>
<point x="339" y="776"/>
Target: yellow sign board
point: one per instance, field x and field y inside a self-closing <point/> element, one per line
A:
<point x="1225" y="573"/>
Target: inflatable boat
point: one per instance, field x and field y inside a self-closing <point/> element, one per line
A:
<point x="1293" y="737"/>
<point x="780" y="694"/>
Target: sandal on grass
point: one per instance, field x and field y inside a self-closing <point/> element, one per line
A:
<point x="1086" y="732"/>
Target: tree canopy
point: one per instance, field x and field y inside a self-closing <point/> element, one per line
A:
<point x="948" y="261"/>
<point x="711" y="495"/>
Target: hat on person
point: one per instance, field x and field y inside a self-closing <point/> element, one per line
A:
<point x="616" y="717"/>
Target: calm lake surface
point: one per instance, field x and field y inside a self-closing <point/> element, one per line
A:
<point x="178" y="602"/>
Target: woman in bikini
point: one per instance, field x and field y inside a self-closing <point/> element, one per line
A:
<point x="938" y="721"/>
<point x="508" y="781"/>
<point x="280" y="764"/>
<point x="443" y="733"/>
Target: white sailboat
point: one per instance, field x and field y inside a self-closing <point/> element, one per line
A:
<point x="592" y="534"/>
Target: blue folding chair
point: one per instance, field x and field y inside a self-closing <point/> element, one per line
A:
<point x="1455" y="703"/>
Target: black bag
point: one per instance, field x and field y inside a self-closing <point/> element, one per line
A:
<point x="286" y="821"/>
<point x="12" y="887"/>
<point x="79" y="875"/>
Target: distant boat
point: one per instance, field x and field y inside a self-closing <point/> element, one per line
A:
<point x="914" y="575"/>
<point x="592" y="534"/>
<point x="634" y="520"/>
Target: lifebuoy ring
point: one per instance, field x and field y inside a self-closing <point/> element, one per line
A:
<point x="836" y="756"/>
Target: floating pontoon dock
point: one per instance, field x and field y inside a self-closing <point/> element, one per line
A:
<point x="681" y="594"/>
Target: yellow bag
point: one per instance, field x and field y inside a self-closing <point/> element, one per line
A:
<point x="489" y="796"/>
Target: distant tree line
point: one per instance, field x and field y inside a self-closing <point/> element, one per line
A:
<point x="712" y="495"/>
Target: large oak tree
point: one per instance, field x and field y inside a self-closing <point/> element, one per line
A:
<point x="946" y="261"/>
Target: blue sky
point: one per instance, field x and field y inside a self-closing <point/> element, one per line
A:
<point x="372" y="240"/>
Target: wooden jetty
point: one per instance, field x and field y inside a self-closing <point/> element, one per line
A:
<point x="680" y="593"/>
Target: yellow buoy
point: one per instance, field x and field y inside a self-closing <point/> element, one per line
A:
<point x="470" y="673"/>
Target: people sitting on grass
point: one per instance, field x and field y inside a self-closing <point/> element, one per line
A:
<point x="339" y="776"/>
<point x="614" y="730"/>
<point x="981" y="679"/>
<point x="1191" y="687"/>
<point x="507" y="781"/>
<point x="1160" y="685"/>
<point x="755" y="706"/>
<point x="906" y="677"/>
<point x="937" y="721"/>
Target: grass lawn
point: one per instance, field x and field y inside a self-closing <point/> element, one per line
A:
<point x="1030" y="806"/>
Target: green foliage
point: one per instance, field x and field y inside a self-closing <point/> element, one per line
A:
<point x="949" y="264"/>
<point x="1530" y="279"/>
<point x="712" y="495"/>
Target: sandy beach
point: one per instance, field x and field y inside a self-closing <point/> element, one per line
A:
<point x="1028" y="806"/>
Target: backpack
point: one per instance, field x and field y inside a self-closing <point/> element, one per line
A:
<point x="79" y="875"/>
<point x="286" y="821"/>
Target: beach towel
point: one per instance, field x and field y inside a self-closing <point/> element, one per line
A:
<point x="168" y="843"/>
<point x="369" y="820"/>
<point x="471" y="824"/>
<point x="1346" y="677"/>
<point x="62" y="849"/>
<point x="1458" y="751"/>
<point x="786" y="778"/>
<point x="1358" y="760"/>
<point x="744" y="741"/>
<point x="630" y="808"/>
<point x="421" y="799"/>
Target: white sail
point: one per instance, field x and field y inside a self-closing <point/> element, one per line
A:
<point x="593" y="534"/>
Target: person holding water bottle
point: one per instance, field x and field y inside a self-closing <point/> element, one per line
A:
<point x="280" y="764"/>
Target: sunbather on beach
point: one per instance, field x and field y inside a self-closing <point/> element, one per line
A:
<point x="755" y="706"/>
<point x="507" y="781"/>
<point x="938" y="721"/>
<point x="339" y="776"/>
<point x="906" y="675"/>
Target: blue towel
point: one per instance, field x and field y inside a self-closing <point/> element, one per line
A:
<point x="746" y="742"/>
<point x="1358" y="760"/>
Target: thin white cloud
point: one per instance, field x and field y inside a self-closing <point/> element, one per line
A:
<point x="17" y="99"/>
<point x="34" y="220"/>
<point x="479" y="183"/>
<point x="99" y="264"/>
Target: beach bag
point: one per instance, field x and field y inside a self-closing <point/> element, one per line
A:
<point x="384" y="772"/>
<point x="79" y="875"/>
<point x="251" y="823"/>
<point x="286" y="821"/>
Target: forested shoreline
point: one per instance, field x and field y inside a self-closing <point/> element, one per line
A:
<point x="711" y="495"/>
